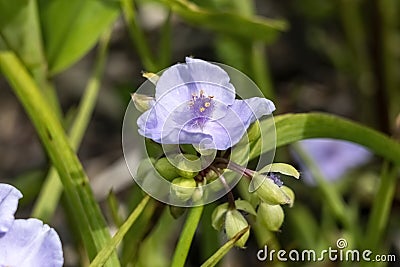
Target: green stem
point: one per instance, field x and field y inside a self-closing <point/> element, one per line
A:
<point x="260" y="70"/>
<point x="185" y="240"/>
<point x="50" y="194"/>
<point x="94" y="231"/>
<point x="381" y="207"/>
<point x="137" y="36"/>
<point x="105" y="253"/>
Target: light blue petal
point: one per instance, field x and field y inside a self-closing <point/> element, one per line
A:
<point x="228" y="131"/>
<point x="179" y="82"/>
<point x="30" y="243"/>
<point x="9" y="197"/>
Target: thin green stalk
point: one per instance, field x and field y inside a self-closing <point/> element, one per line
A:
<point x="165" y="43"/>
<point x="222" y="251"/>
<point x="94" y="231"/>
<point x="379" y="216"/>
<point x="260" y="70"/>
<point x="137" y="36"/>
<point x="105" y="253"/>
<point x="50" y="194"/>
<point x="186" y="238"/>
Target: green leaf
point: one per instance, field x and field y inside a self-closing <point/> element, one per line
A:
<point x="245" y="206"/>
<point x="187" y="234"/>
<point x="256" y="28"/>
<point x="71" y="28"/>
<point x="283" y="168"/>
<point x="87" y="214"/>
<point x="218" y="216"/>
<point x="221" y="252"/>
<point x="20" y="30"/>
<point x="295" y="127"/>
<point x="105" y="253"/>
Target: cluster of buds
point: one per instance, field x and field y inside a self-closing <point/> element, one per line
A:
<point x="270" y="193"/>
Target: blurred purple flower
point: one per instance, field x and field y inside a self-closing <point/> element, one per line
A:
<point x="25" y="242"/>
<point x="195" y="102"/>
<point x="333" y="157"/>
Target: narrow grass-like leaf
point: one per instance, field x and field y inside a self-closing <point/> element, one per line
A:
<point x="51" y="191"/>
<point x="105" y="253"/>
<point x="186" y="238"/>
<point x="295" y="127"/>
<point x="221" y="252"/>
<point x="88" y="217"/>
<point x="255" y="28"/>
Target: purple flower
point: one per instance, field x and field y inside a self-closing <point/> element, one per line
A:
<point x="333" y="157"/>
<point x="195" y="102"/>
<point x="9" y="197"/>
<point x="25" y="242"/>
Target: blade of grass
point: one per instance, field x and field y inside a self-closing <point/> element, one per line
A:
<point x="382" y="203"/>
<point x="186" y="238"/>
<point x="137" y="36"/>
<point x="294" y="127"/>
<point x="50" y="194"/>
<point x="94" y="231"/>
<point x="221" y="252"/>
<point x="105" y="253"/>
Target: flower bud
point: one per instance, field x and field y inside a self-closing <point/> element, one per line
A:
<point x="254" y="132"/>
<point x="188" y="165"/>
<point x="198" y="194"/>
<point x="268" y="191"/>
<point x="183" y="188"/>
<point x="142" y="102"/>
<point x="289" y="192"/>
<point x="166" y="169"/>
<point x="152" y="77"/>
<point x="271" y="216"/>
<point x="234" y="223"/>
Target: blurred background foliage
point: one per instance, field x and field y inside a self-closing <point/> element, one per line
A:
<point x="86" y="58"/>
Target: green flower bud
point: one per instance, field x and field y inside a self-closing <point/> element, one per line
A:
<point x="188" y="165"/>
<point x="183" y="188"/>
<point x="271" y="216"/>
<point x="254" y="132"/>
<point x="234" y="223"/>
<point x="142" y="102"/>
<point x="211" y="175"/>
<point x="218" y="216"/>
<point x="198" y="194"/>
<point x="289" y="192"/>
<point x="166" y="169"/>
<point x="268" y="191"/>
<point x="152" y="77"/>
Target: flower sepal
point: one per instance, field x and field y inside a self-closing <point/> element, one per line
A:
<point x="234" y="223"/>
<point x="271" y="216"/>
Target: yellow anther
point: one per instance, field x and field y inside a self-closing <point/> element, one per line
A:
<point x="202" y="109"/>
<point x="201" y="92"/>
<point x="207" y="104"/>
